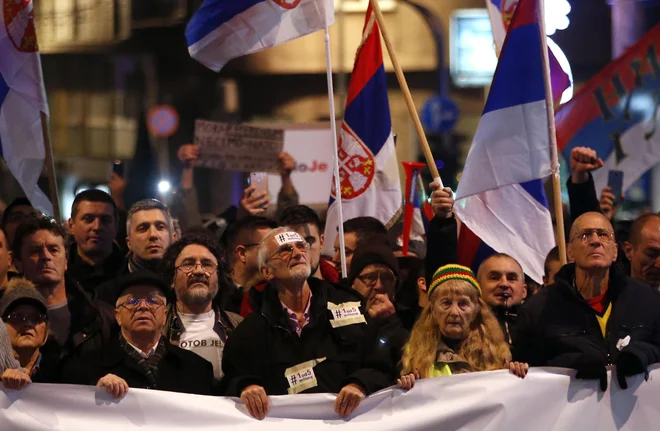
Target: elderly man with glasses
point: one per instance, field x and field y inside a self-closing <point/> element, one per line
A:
<point x="194" y="323"/>
<point x="593" y="315"/>
<point x="141" y="357"/>
<point x="306" y="335"/>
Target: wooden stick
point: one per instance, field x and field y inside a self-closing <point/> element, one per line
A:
<point x="430" y="161"/>
<point x="552" y="135"/>
<point x="50" y="169"/>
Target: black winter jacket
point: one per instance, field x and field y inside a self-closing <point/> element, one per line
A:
<point x="178" y="370"/>
<point x="558" y="328"/>
<point x="263" y="346"/>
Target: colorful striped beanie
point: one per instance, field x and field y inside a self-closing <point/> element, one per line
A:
<point x="453" y="272"/>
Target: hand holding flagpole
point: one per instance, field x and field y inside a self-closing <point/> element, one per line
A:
<point x="428" y="155"/>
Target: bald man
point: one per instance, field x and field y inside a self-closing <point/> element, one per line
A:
<point x="593" y="315"/>
<point x="643" y="249"/>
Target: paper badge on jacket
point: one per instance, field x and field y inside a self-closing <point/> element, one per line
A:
<point x="301" y="377"/>
<point x="623" y="342"/>
<point x="346" y="313"/>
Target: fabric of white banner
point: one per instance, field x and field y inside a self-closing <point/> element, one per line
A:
<point x="547" y="399"/>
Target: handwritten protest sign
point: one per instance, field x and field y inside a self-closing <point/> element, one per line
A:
<point x="235" y="147"/>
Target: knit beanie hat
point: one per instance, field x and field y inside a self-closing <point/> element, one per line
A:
<point x="371" y="254"/>
<point x="23" y="291"/>
<point x="453" y="272"/>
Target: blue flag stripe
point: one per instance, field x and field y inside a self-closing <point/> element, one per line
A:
<point x="212" y="14"/>
<point x="536" y="190"/>
<point x="518" y="80"/>
<point x="4" y="90"/>
<point x="369" y="113"/>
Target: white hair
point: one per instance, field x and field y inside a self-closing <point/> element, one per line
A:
<point x="262" y="252"/>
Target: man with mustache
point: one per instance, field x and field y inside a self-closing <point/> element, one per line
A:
<point x="643" y="249"/>
<point x="149" y="234"/>
<point x="593" y="315"/>
<point x="141" y="357"/>
<point x="78" y="323"/>
<point x="193" y="265"/>
<point x="306" y="335"/>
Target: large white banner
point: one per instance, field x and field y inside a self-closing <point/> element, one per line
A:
<point x="547" y="399"/>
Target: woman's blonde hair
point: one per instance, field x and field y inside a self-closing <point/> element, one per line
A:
<point x="484" y="348"/>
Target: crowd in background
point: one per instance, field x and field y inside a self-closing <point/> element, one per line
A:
<point x="245" y="305"/>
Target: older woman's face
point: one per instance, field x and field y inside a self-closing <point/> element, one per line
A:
<point x="454" y="313"/>
<point x="27" y="327"/>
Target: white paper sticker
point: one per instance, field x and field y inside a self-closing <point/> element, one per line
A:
<point x="623" y="342"/>
<point x="301" y="377"/>
<point x="287" y="237"/>
<point x="346" y="313"/>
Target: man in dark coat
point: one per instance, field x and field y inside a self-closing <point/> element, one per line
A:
<point x="141" y="357"/>
<point x="594" y="315"/>
<point x="306" y="335"/>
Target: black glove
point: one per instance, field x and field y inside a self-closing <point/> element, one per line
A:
<point x="629" y="363"/>
<point x="592" y="367"/>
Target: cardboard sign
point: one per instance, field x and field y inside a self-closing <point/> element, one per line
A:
<point x="235" y="147"/>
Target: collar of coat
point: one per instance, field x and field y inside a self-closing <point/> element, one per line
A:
<point x="566" y="275"/>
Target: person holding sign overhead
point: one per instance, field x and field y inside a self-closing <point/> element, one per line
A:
<point x="309" y="336"/>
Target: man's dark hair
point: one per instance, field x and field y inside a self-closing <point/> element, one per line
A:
<point x="33" y="224"/>
<point x="638" y="225"/>
<point x="299" y="214"/>
<point x="553" y="256"/>
<point x="366" y="230"/>
<point x="146" y="205"/>
<point x="93" y="195"/>
<point x="167" y="268"/>
<point x="18" y="202"/>
<point x="232" y="237"/>
<point x="493" y="256"/>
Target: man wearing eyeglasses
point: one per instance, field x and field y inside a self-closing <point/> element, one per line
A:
<point x="593" y="315"/>
<point x="141" y="357"/>
<point x="306" y="335"/>
<point x="194" y="323"/>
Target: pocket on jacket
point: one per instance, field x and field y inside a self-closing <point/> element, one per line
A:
<point x="565" y="331"/>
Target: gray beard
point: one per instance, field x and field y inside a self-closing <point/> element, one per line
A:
<point x="194" y="298"/>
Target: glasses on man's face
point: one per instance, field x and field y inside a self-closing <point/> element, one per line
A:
<point x="29" y="318"/>
<point x="387" y="278"/>
<point x="602" y="234"/>
<point x="286" y="250"/>
<point x="133" y="303"/>
<point x="188" y="266"/>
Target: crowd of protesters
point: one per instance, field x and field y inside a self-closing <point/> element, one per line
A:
<point x="247" y="306"/>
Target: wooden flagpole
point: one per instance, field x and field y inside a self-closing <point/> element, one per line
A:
<point x="430" y="161"/>
<point x="50" y="168"/>
<point x="335" y="156"/>
<point x="560" y="234"/>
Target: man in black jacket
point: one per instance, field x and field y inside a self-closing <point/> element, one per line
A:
<point x="94" y="258"/>
<point x="141" y="356"/>
<point x="593" y="315"/>
<point x="306" y="335"/>
<point x="78" y="323"/>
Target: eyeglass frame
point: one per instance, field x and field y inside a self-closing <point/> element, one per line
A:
<point x="305" y="246"/>
<point x="152" y="307"/>
<point x="587" y="234"/>
<point x="379" y="272"/>
<point x="25" y="319"/>
<point x="198" y="263"/>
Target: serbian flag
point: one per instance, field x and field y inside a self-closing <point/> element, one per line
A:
<point x="617" y="112"/>
<point x="221" y="30"/>
<point x="368" y="169"/>
<point x="500" y="13"/>
<point x="22" y="100"/>
<point x="500" y="196"/>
